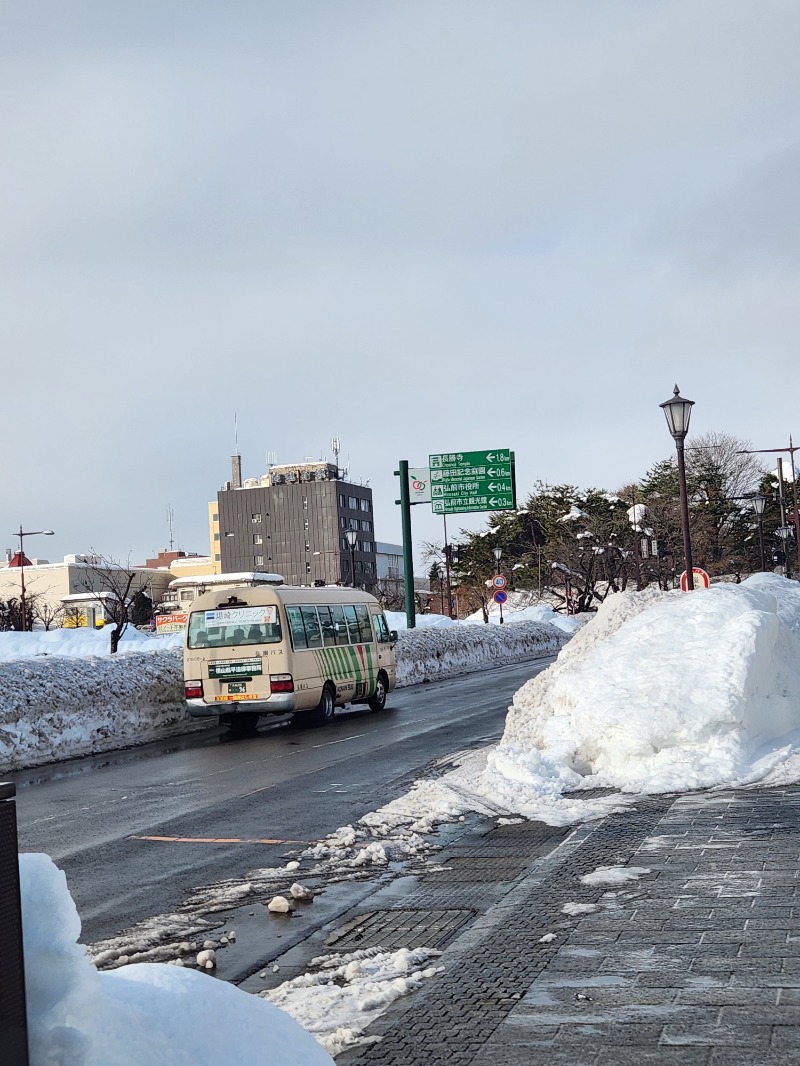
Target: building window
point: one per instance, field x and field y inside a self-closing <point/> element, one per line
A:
<point x="366" y="546"/>
<point x="365" y="505"/>
<point x="366" y="526"/>
<point x="215" y="518"/>
<point x="305" y="503"/>
<point x="305" y="523"/>
<point x="308" y="568"/>
<point x="342" y="500"/>
<point x="216" y="536"/>
<point x="257" y="538"/>
<point x="217" y="558"/>
<point x="187" y="594"/>
<point x="353" y="523"/>
<point x="352" y="503"/>
<point x="255" y="518"/>
<point x="308" y="545"/>
<point x="258" y="560"/>
<point x="343" y="522"/>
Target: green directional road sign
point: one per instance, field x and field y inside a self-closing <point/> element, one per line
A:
<point x="473" y="481"/>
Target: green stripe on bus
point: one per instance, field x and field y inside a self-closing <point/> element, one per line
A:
<point x="355" y="662"/>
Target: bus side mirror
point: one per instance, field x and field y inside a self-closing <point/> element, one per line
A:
<point x="393" y="636"/>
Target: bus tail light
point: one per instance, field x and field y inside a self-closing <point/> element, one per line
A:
<point x="193" y="690"/>
<point x="281" y="683"/>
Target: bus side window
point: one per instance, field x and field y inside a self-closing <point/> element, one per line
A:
<point x="339" y="624"/>
<point x="311" y="623"/>
<point x="365" y="629"/>
<point x="296" y="628"/>
<point x="352" y="625"/>
<point x="381" y="628"/>
<point x="328" y="631"/>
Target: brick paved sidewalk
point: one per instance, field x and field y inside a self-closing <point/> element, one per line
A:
<point x="696" y="962"/>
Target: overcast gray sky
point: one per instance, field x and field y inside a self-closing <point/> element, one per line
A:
<point x="421" y="226"/>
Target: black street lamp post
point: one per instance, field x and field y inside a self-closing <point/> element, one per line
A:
<point x="759" y="502"/>
<point x="21" y="535"/>
<point x="677" y="411"/>
<point x="352" y="537"/>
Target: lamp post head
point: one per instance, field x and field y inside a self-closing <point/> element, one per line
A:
<point x="677" y="411"/>
<point x="498" y="553"/>
<point x="759" y="503"/>
<point x="352" y="537"/>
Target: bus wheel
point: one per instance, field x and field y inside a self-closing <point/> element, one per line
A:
<point x="323" y="712"/>
<point x="377" y="701"/>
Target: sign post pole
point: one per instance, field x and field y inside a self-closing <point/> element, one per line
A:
<point x="408" y="554"/>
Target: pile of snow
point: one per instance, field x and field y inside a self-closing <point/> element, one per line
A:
<point x="150" y="1014"/>
<point x="343" y="993"/>
<point x="59" y="708"/>
<point x="661" y="692"/>
<point x="440" y="652"/>
<point x="81" y="642"/>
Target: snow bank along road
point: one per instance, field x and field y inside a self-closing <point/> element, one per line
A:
<point x="54" y="706"/>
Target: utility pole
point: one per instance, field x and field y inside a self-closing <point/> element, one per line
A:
<point x="408" y="553"/>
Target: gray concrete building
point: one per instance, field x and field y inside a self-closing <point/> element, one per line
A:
<point x="293" y="521"/>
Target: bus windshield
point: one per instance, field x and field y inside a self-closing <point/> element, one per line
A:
<point x="234" y="627"/>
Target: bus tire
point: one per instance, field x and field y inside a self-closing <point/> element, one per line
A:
<point x="377" y="700"/>
<point x="323" y="712"/>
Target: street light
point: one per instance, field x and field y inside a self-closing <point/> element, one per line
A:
<point x="498" y="555"/>
<point x="352" y="537"/>
<point x="785" y="532"/>
<point x="677" y="411"/>
<point x="759" y="503"/>
<point x="21" y="535"/>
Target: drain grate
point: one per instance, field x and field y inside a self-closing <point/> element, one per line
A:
<point x="485" y="868"/>
<point x="399" y="929"/>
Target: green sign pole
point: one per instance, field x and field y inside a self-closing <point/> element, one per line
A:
<point x="408" y="555"/>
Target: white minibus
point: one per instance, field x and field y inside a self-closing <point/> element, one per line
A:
<point x="286" y="649"/>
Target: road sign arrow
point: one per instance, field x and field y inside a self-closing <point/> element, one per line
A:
<point x="502" y="471"/>
<point x="504" y="501"/>
<point x="499" y="486"/>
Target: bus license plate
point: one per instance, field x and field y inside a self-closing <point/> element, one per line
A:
<point x="236" y="686"/>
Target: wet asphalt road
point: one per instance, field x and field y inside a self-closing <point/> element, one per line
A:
<point x="269" y="793"/>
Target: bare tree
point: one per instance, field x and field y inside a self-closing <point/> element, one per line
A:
<point x="47" y="613"/>
<point x="116" y="581"/>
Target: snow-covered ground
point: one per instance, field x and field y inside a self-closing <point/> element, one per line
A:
<point x="659" y="692"/>
<point x="81" y="642"/>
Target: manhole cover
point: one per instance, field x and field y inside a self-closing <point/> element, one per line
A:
<point x="480" y="868"/>
<point x="399" y="929"/>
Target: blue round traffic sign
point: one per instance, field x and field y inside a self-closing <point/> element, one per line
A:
<point x="500" y="596"/>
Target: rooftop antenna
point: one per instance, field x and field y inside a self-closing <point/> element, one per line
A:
<point x="170" y="525"/>
<point x="270" y="459"/>
<point x="336" y="445"/>
<point x="236" y="459"/>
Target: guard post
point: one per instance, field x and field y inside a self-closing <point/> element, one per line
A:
<point x="13" y="1021"/>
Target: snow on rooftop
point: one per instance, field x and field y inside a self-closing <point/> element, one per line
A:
<point x="255" y="577"/>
